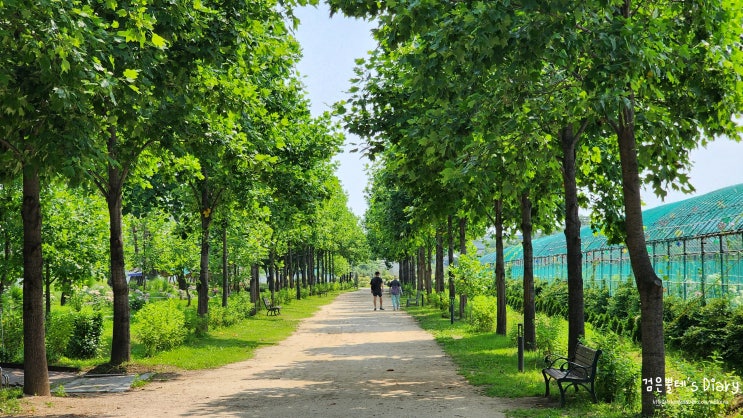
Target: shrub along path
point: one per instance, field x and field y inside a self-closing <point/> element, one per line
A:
<point x="346" y="360"/>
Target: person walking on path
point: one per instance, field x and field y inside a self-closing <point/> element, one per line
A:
<point x="395" y="293"/>
<point x="376" y="288"/>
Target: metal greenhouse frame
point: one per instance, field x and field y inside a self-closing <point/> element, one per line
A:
<point x="696" y="247"/>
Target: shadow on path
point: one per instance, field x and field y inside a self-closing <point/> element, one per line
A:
<point x="346" y="360"/>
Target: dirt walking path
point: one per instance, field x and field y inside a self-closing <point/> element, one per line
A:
<point x="346" y="360"/>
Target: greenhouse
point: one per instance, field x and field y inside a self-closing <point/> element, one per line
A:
<point x="696" y="246"/>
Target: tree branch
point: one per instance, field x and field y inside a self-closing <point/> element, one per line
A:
<point x="11" y="148"/>
<point x="99" y="182"/>
<point x="583" y="126"/>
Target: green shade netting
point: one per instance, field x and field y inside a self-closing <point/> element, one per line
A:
<point x="715" y="213"/>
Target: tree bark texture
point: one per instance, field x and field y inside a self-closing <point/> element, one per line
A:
<point x="206" y="221"/>
<point x="500" y="271"/>
<point x="576" y="318"/>
<point x="439" y="274"/>
<point x="452" y="290"/>
<point x="254" y="283"/>
<point x="311" y="266"/>
<point x="421" y="267"/>
<point x="121" y="341"/>
<point x="462" y="251"/>
<point x="649" y="285"/>
<point x="225" y="267"/>
<point x="412" y="268"/>
<point x="429" y="259"/>
<point x="303" y="267"/>
<point x="36" y="375"/>
<point x="270" y="272"/>
<point x="6" y="261"/>
<point x="530" y="334"/>
<point x="319" y="258"/>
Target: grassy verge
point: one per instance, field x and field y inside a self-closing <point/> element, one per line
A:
<point x="233" y="343"/>
<point x="490" y="361"/>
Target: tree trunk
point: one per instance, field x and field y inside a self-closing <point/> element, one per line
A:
<point x="121" y="341"/>
<point x="303" y="267"/>
<point x="500" y="271"/>
<point x="236" y="278"/>
<point x="288" y="279"/>
<point x="6" y="262"/>
<point x="135" y="241"/>
<point x="311" y="266"/>
<point x="649" y="285"/>
<point x="576" y="325"/>
<point x="35" y="374"/>
<point x="254" y="283"/>
<point x="331" y="263"/>
<point x="270" y="273"/>
<point x="439" y="274"/>
<point x="329" y="267"/>
<point x="462" y="236"/>
<point x="319" y="268"/>
<point x="183" y="285"/>
<point x="225" y="267"/>
<point x="147" y="268"/>
<point x="429" y="258"/>
<point x="320" y="259"/>
<point x="530" y="334"/>
<point x="451" y="273"/>
<point x="203" y="287"/>
<point x="297" y="280"/>
<point x="421" y="267"/>
<point x="462" y="251"/>
<point x="413" y="270"/>
<point x="293" y="263"/>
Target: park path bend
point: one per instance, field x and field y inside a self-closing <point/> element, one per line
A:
<point x="346" y="360"/>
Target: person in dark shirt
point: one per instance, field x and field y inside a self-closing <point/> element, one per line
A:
<point x="376" y="289"/>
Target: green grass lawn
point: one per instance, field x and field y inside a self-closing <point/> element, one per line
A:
<point x="490" y="361"/>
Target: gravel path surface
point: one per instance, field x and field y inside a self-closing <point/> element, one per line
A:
<point x="346" y="360"/>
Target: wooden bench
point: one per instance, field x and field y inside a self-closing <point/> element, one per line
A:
<point x="580" y="371"/>
<point x="271" y="309"/>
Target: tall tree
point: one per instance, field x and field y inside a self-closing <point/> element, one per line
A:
<point x="41" y="92"/>
<point x="677" y="85"/>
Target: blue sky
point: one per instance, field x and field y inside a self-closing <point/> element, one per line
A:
<point x="330" y="46"/>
